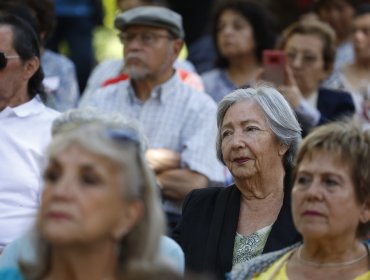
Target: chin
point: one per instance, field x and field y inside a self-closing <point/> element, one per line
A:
<point x="313" y="231"/>
<point x="58" y="235"/>
<point x="137" y="73"/>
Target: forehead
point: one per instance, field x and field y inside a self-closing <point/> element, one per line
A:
<point x="309" y="42"/>
<point x="324" y="161"/>
<point x="6" y="38"/>
<point x="244" y="110"/>
<point x="75" y="153"/>
<point x="232" y="15"/>
<point x="363" y="20"/>
<point x="144" y="28"/>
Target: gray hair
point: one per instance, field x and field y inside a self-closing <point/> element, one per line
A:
<point x="279" y="116"/>
<point x="120" y="145"/>
<point x="75" y="118"/>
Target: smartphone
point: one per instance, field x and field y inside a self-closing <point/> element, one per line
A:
<point x="274" y="62"/>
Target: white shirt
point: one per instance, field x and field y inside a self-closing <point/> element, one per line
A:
<point x="25" y="131"/>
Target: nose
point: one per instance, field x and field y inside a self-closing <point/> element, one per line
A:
<point x="63" y="188"/>
<point x="315" y="190"/>
<point x="296" y="61"/>
<point x="227" y="29"/>
<point x="238" y="140"/>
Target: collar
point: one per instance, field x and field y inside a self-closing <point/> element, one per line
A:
<point x="32" y="107"/>
<point x="160" y="91"/>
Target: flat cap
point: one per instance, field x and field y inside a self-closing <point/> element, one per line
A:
<point x="151" y="16"/>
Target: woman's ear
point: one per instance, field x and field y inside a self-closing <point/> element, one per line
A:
<point x="365" y="212"/>
<point x="131" y="214"/>
<point x="283" y="148"/>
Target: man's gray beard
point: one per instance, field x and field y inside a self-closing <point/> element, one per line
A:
<point x="136" y="73"/>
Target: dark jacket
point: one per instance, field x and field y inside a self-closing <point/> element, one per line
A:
<point x="208" y="226"/>
<point x="333" y="104"/>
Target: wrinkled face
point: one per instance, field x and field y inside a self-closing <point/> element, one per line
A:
<point x="338" y="14"/>
<point x="305" y="57"/>
<point x="323" y="199"/>
<point x="249" y="147"/>
<point x="149" y="52"/>
<point x="12" y="84"/>
<point x="234" y="35"/>
<point x="361" y="36"/>
<point x="82" y="201"/>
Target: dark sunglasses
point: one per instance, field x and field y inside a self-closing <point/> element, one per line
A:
<point x="4" y="59"/>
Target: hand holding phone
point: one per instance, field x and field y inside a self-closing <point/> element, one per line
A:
<point x="274" y="63"/>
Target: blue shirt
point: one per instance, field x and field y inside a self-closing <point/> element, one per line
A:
<point x="10" y="274"/>
<point x="60" y="81"/>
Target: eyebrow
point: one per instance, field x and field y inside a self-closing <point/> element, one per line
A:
<point x="244" y="122"/>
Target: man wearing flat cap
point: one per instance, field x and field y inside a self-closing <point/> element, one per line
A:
<point x="179" y="122"/>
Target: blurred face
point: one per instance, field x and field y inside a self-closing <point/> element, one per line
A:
<point x="248" y="145"/>
<point x="323" y="198"/>
<point x="361" y="37"/>
<point x="82" y="201"/>
<point x="234" y="35"/>
<point x="13" y="88"/>
<point x="338" y="14"/>
<point x="149" y="52"/>
<point x="305" y="57"/>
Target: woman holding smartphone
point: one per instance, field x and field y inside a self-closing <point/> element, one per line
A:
<point x="310" y="50"/>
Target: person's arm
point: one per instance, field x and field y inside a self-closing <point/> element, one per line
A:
<point x="307" y="116"/>
<point x="177" y="183"/>
<point x="161" y="159"/>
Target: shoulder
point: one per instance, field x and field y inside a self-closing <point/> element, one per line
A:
<point x="211" y="74"/>
<point x="109" y="64"/>
<point x="10" y="274"/>
<point x="56" y="59"/>
<point x="41" y="111"/>
<point x="259" y="264"/>
<point x="49" y="113"/>
<point x="207" y="196"/>
<point x="172" y="253"/>
<point x="329" y="92"/>
<point x="193" y="99"/>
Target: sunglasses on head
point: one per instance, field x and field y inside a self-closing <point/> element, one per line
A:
<point x="123" y="135"/>
<point x="4" y="59"/>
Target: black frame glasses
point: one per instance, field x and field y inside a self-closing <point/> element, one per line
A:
<point x="4" y="59"/>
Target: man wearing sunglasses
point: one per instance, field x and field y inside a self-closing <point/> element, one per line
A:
<point x="24" y="127"/>
<point x="179" y="122"/>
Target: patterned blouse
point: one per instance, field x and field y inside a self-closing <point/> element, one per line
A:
<point x="248" y="247"/>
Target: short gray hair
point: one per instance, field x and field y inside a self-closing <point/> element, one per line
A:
<point x="75" y="118"/>
<point x="279" y="115"/>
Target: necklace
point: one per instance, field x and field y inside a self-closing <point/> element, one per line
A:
<point x="334" y="264"/>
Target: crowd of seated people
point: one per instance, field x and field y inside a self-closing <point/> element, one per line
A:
<point x="157" y="171"/>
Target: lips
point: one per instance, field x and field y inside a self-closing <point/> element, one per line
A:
<point x="55" y="215"/>
<point x="312" y="213"/>
<point x="241" y="160"/>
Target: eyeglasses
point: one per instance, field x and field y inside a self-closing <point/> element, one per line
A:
<point x="4" y="59"/>
<point x="146" y="38"/>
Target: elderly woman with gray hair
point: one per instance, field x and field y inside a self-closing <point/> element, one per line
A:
<point x="330" y="207"/>
<point x="258" y="135"/>
<point x="101" y="216"/>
